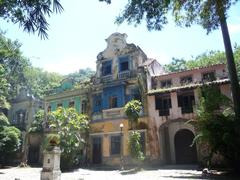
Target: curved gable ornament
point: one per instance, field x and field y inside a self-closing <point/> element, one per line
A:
<point x="116" y="41"/>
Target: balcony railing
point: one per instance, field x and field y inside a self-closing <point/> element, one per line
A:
<point x="113" y="113"/>
<point x="107" y="78"/>
<point x="124" y="75"/>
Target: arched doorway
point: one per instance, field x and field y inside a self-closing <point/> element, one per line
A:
<point x="184" y="152"/>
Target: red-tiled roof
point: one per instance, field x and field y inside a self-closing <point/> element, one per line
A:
<point x="188" y="86"/>
<point x="202" y="67"/>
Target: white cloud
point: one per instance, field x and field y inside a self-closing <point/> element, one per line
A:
<point x="69" y="65"/>
<point x="234" y="28"/>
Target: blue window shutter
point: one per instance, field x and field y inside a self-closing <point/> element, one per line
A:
<point x="117" y="91"/>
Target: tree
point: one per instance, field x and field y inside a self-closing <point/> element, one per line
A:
<point x="210" y="14"/>
<point x="30" y="14"/>
<point x="237" y="59"/>
<point x="20" y="73"/>
<point x="9" y="135"/>
<point x="202" y="60"/>
<point x="176" y="65"/>
<point x="41" y="82"/>
<point x="73" y="131"/>
<point x="3" y="90"/>
<point x="206" y="59"/>
<point x="9" y="139"/>
<point x="132" y="110"/>
<point x="13" y="62"/>
<point x="215" y="124"/>
<point x="82" y="75"/>
<point x="37" y="124"/>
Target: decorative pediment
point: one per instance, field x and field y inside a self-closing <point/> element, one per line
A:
<point x="116" y="42"/>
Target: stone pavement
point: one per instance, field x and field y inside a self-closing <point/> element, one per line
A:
<point x="163" y="173"/>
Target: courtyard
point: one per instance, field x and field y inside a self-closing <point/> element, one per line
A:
<point x="163" y="173"/>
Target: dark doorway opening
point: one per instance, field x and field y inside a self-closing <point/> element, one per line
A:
<point x="184" y="152"/>
<point x="33" y="154"/>
<point x="97" y="150"/>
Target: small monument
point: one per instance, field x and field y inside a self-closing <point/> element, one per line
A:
<point x="51" y="164"/>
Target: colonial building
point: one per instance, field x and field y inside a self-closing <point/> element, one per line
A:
<point x="171" y="103"/>
<point x="21" y="115"/>
<point x="69" y="95"/>
<point x="124" y="72"/>
<point x="119" y="79"/>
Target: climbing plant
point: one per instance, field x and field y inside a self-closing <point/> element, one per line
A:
<point x="132" y="110"/>
<point x="135" y="147"/>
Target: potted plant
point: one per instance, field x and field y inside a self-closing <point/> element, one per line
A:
<point x="51" y="141"/>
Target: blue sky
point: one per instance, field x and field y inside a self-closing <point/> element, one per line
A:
<point x="78" y="34"/>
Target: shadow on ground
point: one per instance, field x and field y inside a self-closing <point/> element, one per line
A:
<point x="131" y="171"/>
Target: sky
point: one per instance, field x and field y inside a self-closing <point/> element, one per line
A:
<point x="78" y="34"/>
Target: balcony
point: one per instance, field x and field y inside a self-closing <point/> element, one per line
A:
<point x="113" y="113"/>
<point x="105" y="79"/>
<point x="124" y="75"/>
<point x="97" y="116"/>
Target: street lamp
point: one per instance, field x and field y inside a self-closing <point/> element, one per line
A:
<point x="121" y="128"/>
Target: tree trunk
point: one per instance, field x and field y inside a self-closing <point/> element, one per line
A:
<point x="230" y="60"/>
<point x="233" y="79"/>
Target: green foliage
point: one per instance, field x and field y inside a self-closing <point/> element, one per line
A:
<point x="37" y="124"/>
<point x="3" y="120"/>
<point x="73" y="129"/>
<point x="176" y="65"/>
<point x="237" y="59"/>
<point x="30" y="14"/>
<point x="9" y="139"/>
<point x="82" y="75"/>
<point x="210" y="14"/>
<point x="134" y="144"/>
<point x="215" y="124"/>
<point x="41" y="82"/>
<point x="185" y="13"/>
<point x="14" y="64"/>
<point x="18" y="72"/>
<point x="132" y="110"/>
<point x="51" y="140"/>
<point x="3" y="89"/>
<point x="206" y="59"/>
<point x="203" y="60"/>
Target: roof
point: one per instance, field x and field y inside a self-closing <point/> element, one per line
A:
<point x="187" y="86"/>
<point x="147" y="62"/>
<point x="197" y="68"/>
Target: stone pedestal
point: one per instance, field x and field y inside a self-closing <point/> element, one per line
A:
<point x="51" y="164"/>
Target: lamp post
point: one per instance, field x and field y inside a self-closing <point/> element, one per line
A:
<point x="121" y="150"/>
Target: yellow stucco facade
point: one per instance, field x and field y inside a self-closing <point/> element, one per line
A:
<point x="105" y="130"/>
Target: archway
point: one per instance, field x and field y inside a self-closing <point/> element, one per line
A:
<point x="184" y="152"/>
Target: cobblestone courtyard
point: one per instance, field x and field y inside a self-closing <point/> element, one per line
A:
<point x="163" y="173"/>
